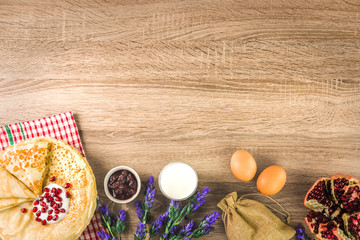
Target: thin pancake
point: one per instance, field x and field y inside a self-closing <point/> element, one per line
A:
<point x="68" y="166"/>
<point x="28" y="162"/>
<point x="16" y="222"/>
<point x="6" y="203"/>
<point x="11" y="187"/>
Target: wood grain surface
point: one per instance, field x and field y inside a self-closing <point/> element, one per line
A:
<point x="151" y="82"/>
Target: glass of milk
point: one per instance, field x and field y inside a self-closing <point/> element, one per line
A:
<point x="178" y="181"/>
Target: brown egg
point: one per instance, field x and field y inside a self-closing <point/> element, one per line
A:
<point x="243" y="165"/>
<point x="271" y="180"/>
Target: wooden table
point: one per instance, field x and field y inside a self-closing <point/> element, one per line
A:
<point x="151" y="82"/>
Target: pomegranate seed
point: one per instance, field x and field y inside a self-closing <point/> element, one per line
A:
<point x="62" y="210"/>
<point x="24" y="210"/>
<point x="53" y="190"/>
<point x="58" y="199"/>
<point x="49" y="217"/>
<point x="47" y="195"/>
<point x="55" y="217"/>
<point x="55" y="206"/>
<point x="50" y="211"/>
<point x="52" y="179"/>
<point x="67" y="194"/>
<point x="34" y="209"/>
<point x="59" y="190"/>
<point x="67" y="185"/>
<point x="46" y="190"/>
<point x="36" y="203"/>
<point x="38" y="219"/>
<point x="59" y="205"/>
<point x="43" y="204"/>
<point x="38" y="213"/>
<point x="43" y="210"/>
<point x="50" y="199"/>
<point x="57" y="211"/>
<point x="42" y="199"/>
<point x="43" y="222"/>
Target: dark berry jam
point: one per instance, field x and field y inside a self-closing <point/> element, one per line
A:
<point x="122" y="184"/>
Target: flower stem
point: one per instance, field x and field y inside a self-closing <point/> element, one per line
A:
<point x="145" y="216"/>
<point x="177" y="222"/>
<point x="182" y="215"/>
<point x="107" y="225"/>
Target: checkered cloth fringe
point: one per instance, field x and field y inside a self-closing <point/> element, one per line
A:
<point x="61" y="126"/>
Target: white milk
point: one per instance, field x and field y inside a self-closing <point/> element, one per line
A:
<point x="178" y="181"/>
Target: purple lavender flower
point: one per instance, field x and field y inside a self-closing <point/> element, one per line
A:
<point x="156" y="226"/>
<point x="104" y="236"/>
<point x="121" y="215"/>
<point x="149" y="198"/>
<point x="205" y="226"/>
<point x="140" y="231"/>
<point x="186" y="230"/>
<point x="173" y="230"/>
<point x="104" y="210"/>
<point x="142" y="208"/>
<point x="139" y="210"/>
<point x="198" y="200"/>
<point x="174" y="209"/>
<point x="209" y="220"/>
<point x="119" y="223"/>
<point x="149" y="193"/>
<point x="113" y="225"/>
<point x="106" y="218"/>
<point x="166" y="213"/>
<point x="300" y="233"/>
<point x="207" y="231"/>
<point x="150" y="183"/>
<point x="175" y="204"/>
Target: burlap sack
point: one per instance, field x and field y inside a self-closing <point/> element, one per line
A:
<point x="247" y="219"/>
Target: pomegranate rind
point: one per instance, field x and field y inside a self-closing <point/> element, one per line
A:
<point x="352" y="182"/>
<point x="313" y="204"/>
<point x="348" y="177"/>
<point x="340" y="234"/>
<point x="349" y="230"/>
<point x="312" y="226"/>
<point x="309" y="225"/>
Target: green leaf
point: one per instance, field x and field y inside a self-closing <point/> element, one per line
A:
<point x="108" y="219"/>
<point x="119" y="228"/>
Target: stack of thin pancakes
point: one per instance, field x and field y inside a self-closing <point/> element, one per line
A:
<point x="25" y="169"/>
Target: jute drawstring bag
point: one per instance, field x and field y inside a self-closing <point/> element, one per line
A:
<point x="247" y="219"/>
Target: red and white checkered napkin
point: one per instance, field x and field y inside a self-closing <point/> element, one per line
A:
<point x="61" y="126"/>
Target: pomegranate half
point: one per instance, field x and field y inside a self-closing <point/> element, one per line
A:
<point x="335" y="208"/>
